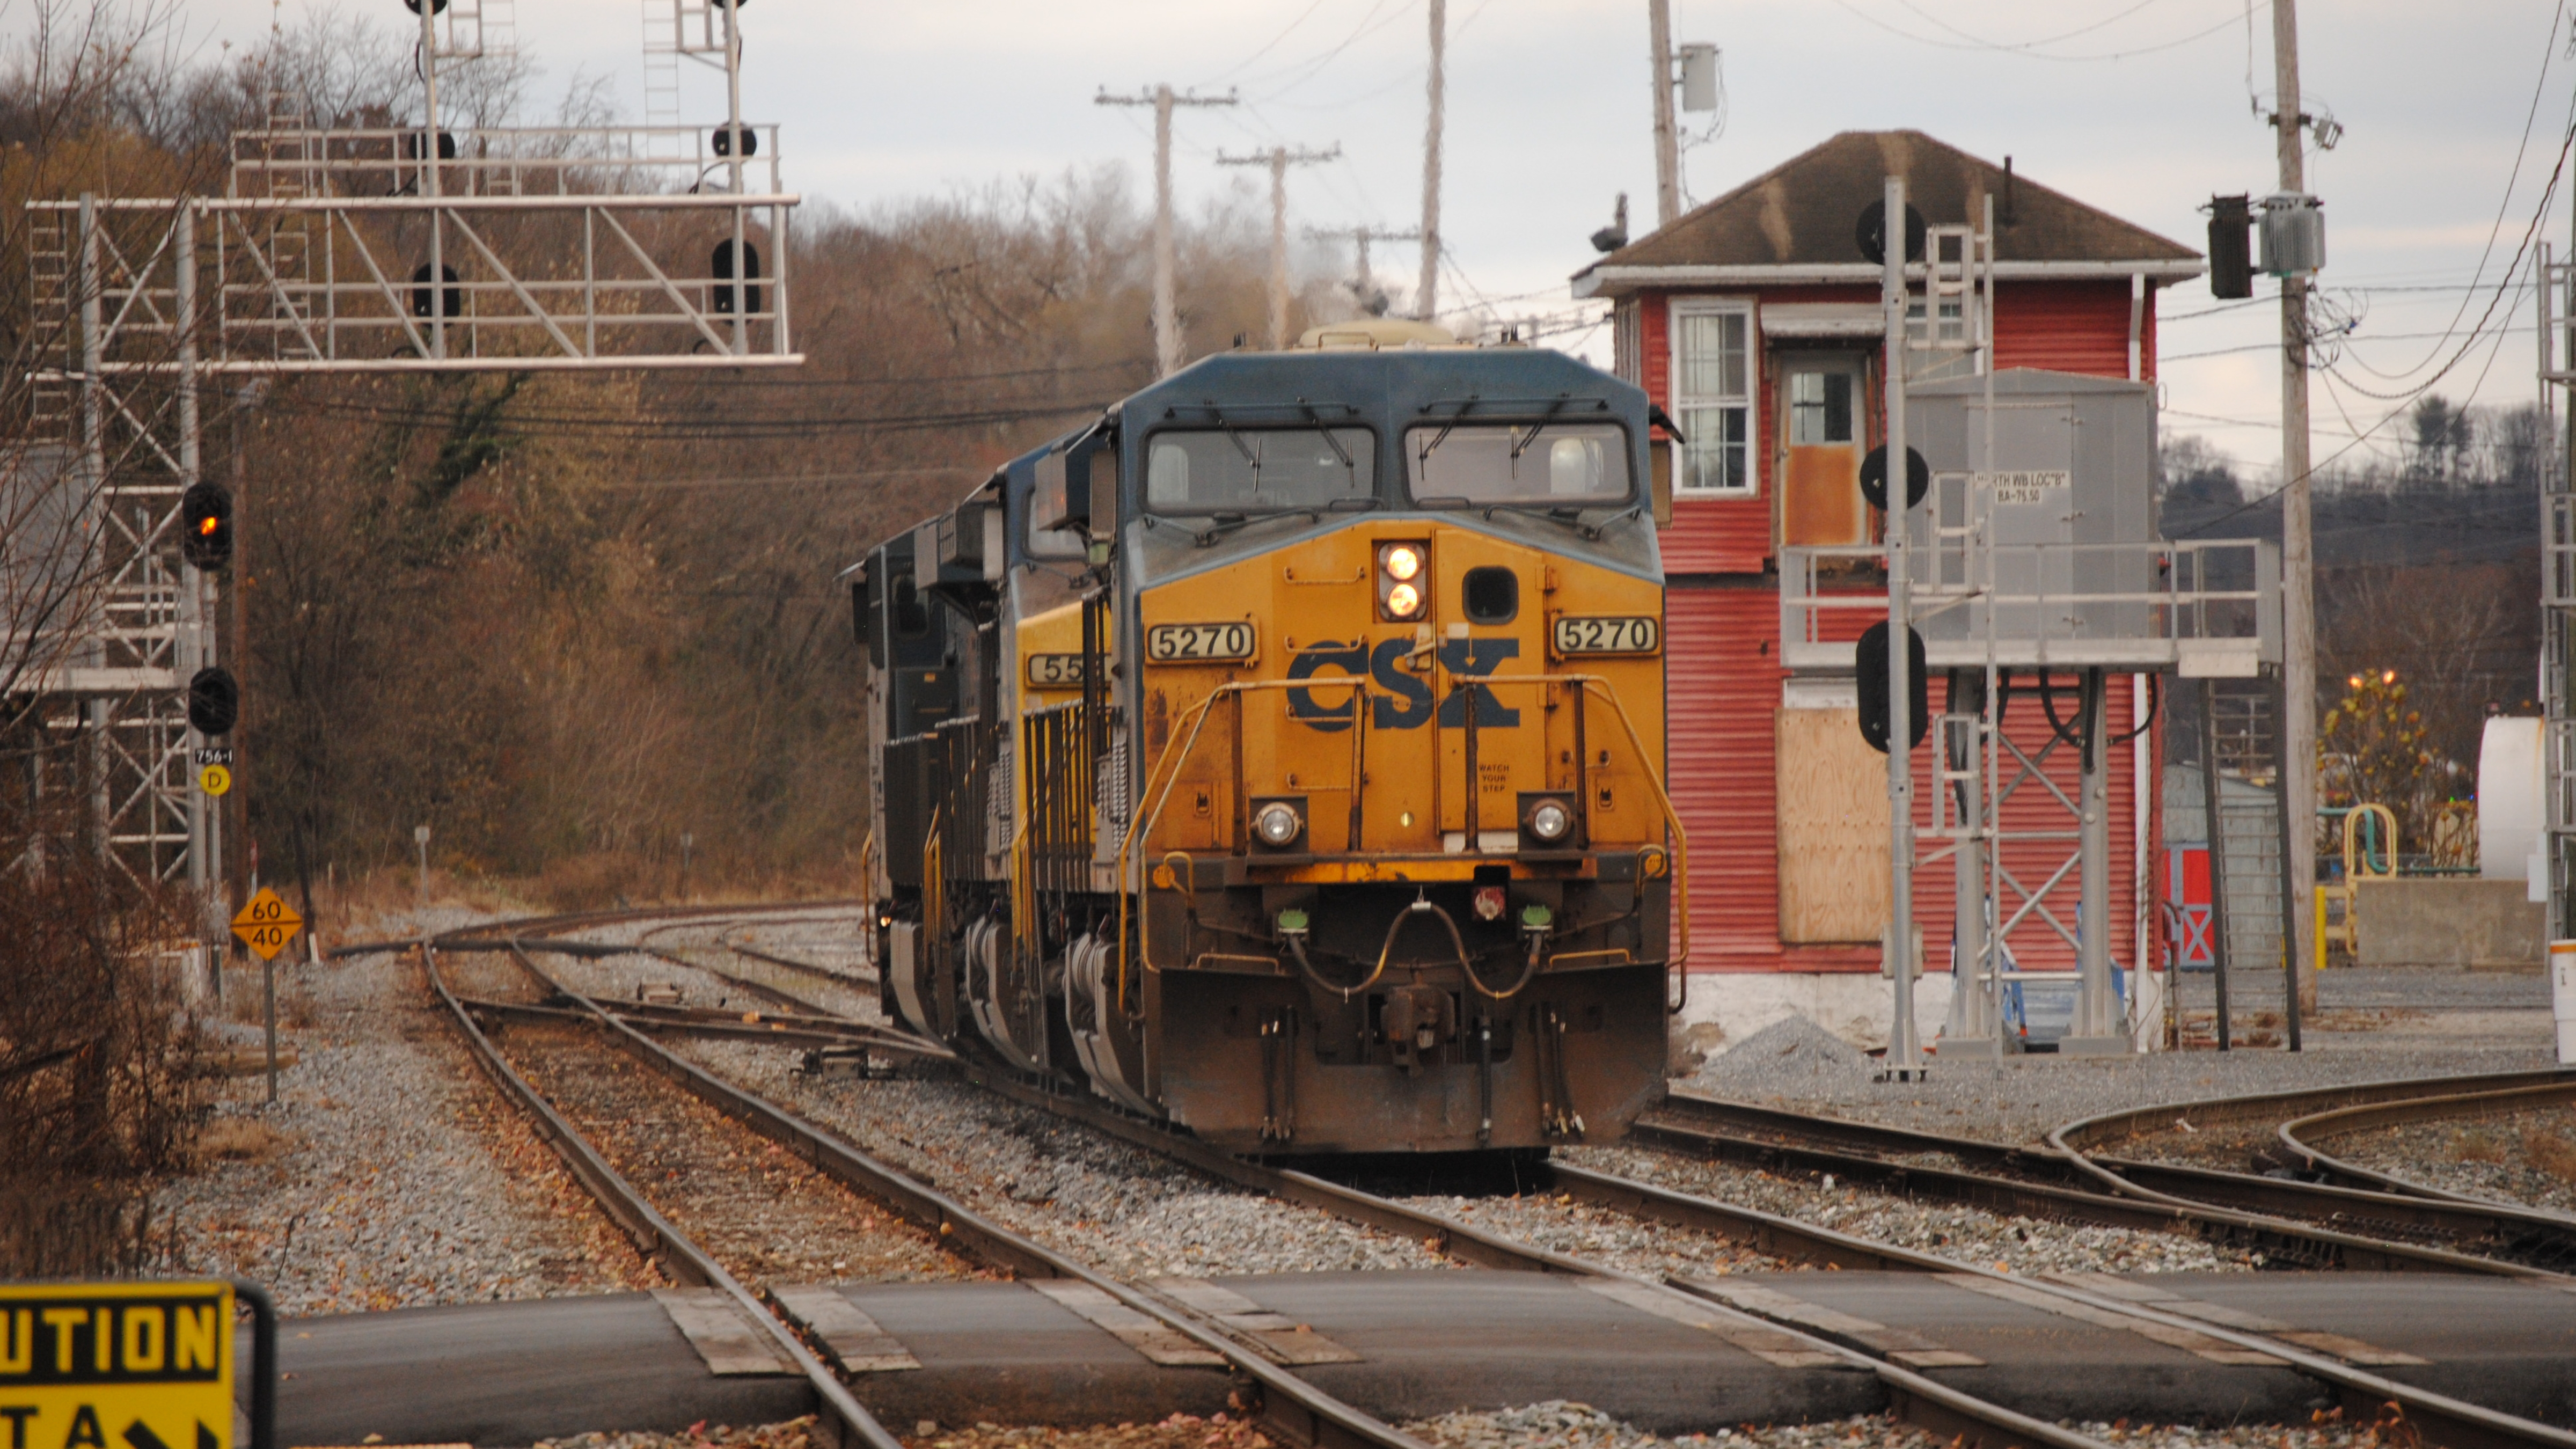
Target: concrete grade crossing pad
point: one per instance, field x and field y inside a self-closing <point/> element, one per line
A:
<point x="1419" y="1344"/>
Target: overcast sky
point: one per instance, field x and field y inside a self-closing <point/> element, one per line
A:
<point x="2140" y="107"/>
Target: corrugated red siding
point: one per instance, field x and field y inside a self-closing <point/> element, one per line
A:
<point x="2064" y="326"/>
<point x="1724" y="682"/>
<point x="1725" y="676"/>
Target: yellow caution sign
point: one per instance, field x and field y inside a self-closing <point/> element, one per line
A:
<point x="117" y="1365"/>
<point x="265" y="925"/>
<point x="214" y="779"/>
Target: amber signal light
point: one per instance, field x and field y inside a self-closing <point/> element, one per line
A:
<point x="1403" y="576"/>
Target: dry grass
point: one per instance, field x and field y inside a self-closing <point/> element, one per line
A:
<point x="2551" y="1152"/>
<point x="2477" y="1147"/>
<point x="98" y="1088"/>
<point x="240" y="1139"/>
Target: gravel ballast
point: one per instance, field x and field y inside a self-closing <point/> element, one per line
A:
<point x="756" y="1207"/>
<point x="2528" y="1158"/>
<point x="1119" y="1208"/>
<point x="1797" y="1065"/>
<point x="390" y="1174"/>
<point x="1962" y="1234"/>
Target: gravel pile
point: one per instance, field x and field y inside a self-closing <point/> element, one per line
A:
<point x="749" y="1202"/>
<point x="1181" y="1431"/>
<point x="1963" y="1234"/>
<point x="1118" y="1208"/>
<point x="1603" y="1235"/>
<point x="389" y="1174"/>
<point x="2527" y="1158"/>
<point x="1792" y="1057"/>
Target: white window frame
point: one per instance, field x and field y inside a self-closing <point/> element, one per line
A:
<point x="1685" y="406"/>
<point x="1624" y="352"/>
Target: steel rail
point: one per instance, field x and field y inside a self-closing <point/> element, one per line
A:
<point x="1285" y="1402"/>
<point x="2451" y="1422"/>
<point x="2446" y="1421"/>
<point x="1911" y="1396"/>
<point x="2229" y="1208"/>
<point x="2531" y="1241"/>
<point x="775" y="1035"/>
<point x="653" y="1234"/>
<point x="811" y="968"/>
<point x="763" y="989"/>
<point x="1314" y="1417"/>
<point x="2343" y="1121"/>
<point x="2085" y="1134"/>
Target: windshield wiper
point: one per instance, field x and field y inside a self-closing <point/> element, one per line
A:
<point x="1523" y="442"/>
<point x="1217" y="415"/>
<point x="1446" y="429"/>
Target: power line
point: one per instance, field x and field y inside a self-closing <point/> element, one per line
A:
<point x="2165" y="357"/>
<point x="2530" y="118"/>
<point x="2358" y="439"/>
<point x="1982" y="43"/>
<point x="1267" y="46"/>
<point x="1868" y="18"/>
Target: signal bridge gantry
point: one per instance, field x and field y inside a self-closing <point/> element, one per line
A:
<point x="386" y="250"/>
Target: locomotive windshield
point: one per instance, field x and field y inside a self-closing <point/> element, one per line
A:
<point x="1258" y="470"/>
<point x="1553" y="465"/>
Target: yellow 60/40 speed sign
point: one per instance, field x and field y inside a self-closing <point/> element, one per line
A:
<point x="266" y="924"/>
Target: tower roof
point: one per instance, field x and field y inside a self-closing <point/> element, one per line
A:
<point x="1797" y="222"/>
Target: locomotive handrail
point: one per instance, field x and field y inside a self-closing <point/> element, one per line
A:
<point x="1168" y="766"/>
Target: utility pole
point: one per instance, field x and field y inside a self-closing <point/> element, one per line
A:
<point x="1668" y="161"/>
<point x="1426" y="297"/>
<point x="2298" y="559"/>
<point x="1279" y="159"/>
<point x="1167" y="320"/>
<point x="1363" y="282"/>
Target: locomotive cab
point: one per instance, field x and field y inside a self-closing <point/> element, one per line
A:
<point x="1324" y="807"/>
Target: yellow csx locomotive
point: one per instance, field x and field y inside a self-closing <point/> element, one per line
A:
<point x="1282" y="755"/>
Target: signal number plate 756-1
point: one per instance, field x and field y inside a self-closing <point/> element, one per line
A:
<point x="1635" y="634"/>
<point x="1191" y="643"/>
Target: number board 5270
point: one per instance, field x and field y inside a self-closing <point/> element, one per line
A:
<point x="1600" y="634"/>
<point x="1194" y="643"/>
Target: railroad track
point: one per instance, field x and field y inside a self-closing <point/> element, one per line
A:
<point x="1296" y="1409"/>
<point x="1285" y="1403"/>
<point x="2013" y="1179"/>
<point x="2299" y="1134"/>
<point x="2309" y="1224"/>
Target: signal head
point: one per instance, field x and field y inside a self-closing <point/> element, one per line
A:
<point x="206" y="525"/>
<point x="214" y="701"/>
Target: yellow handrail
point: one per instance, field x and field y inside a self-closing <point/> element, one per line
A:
<point x="1197" y="716"/>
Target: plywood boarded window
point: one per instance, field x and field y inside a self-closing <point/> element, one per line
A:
<point x="1833" y="829"/>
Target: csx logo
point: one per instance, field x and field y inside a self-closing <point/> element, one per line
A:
<point x="1407" y="702"/>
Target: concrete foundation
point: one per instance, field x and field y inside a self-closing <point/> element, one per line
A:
<point x="1725" y="1007"/>
<point x="2478" y="924"/>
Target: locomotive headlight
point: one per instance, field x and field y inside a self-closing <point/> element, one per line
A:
<point x="1278" y="824"/>
<point x="1403" y="581"/>
<point x="1549" y="820"/>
